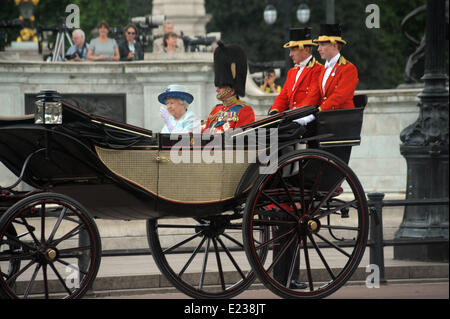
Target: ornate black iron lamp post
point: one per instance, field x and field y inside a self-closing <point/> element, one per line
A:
<point x="425" y="148"/>
<point x="303" y="14"/>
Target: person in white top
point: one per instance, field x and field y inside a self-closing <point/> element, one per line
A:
<point x="175" y="113"/>
<point x="339" y="78"/>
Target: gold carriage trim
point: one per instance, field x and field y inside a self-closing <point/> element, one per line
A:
<point x="190" y="182"/>
<point x="139" y="167"/>
<point x="343" y="141"/>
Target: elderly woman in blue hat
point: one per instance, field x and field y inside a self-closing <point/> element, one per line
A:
<point x="177" y="117"/>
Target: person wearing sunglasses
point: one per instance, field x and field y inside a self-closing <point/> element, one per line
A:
<point x="130" y="49"/>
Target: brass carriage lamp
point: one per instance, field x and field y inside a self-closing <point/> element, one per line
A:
<point x="48" y="108"/>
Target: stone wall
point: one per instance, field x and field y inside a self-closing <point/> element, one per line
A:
<point x="377" y="161"/>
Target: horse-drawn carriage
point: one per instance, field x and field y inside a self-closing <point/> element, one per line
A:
<point x="237" y="208"/>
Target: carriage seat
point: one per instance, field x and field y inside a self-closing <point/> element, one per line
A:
<point x="344" y="125"/>
<point x="360" y="100"/>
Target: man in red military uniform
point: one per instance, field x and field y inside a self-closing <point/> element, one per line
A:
<point x="303" y="76"/>
<point x="339" y="77"/>
<point x="230" y="72"/>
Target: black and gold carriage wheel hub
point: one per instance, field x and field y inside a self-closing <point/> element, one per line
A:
<point x="50" y="254"/>
<point x="309" y="225"/>
<point x="312" y="225"/>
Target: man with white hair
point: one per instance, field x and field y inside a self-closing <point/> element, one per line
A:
<point x="158" y="44"/>
<point x="79" y="50"/>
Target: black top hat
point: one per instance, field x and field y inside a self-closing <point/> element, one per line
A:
<point x="299" y="37"/>
<point x="330" y="33"/>
<point x="230" y="67"/>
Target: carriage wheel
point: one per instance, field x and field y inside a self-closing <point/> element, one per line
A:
<point x="317" y="213"/>
<point x="55" y="247"/>
<point x="202" y="257"/>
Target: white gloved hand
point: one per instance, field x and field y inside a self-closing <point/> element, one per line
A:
<point x="305" y="120"/>
<point x="166" y="117"/>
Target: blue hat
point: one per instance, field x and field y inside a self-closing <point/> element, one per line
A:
<point x="175" y="91"/>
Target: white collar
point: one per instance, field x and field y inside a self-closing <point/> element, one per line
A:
<point x="333" y="61"/>
<point x="304" y="62"/>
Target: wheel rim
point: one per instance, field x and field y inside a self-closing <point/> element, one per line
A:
<point x="56" y="261"/>
<point x="205" y="258"/>
<point x="326" y="236"/>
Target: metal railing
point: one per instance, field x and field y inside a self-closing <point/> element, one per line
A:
<point x="376" y="241"/>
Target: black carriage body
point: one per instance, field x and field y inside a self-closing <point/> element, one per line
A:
<point x="114" y="169"/>
<point x="119" y="171"/>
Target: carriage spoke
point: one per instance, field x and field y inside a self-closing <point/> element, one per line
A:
<point x="284" y="234"/>
<point x="205" y="262"/>
<point x="70" y="234"/>
<point x="31" y="230"/>
<point x="65" y="263"/>
<point x="327" y="196"/>
<point x="308" y="266"/>
<point x="15" y="256"/>
<point x="288" y="192"/>
<point x="321" y="256"/>
<point x="273" y="201"/>
<point x="233" y="240"/>
<point x="192" y="257"/>
<point x="333" y="245"/>
<point x="292" y="266"/>
<point x="219" y="264"/>
<point x="233" y="261"/>
<point x="42" y="212"/>
<point x="44" y="273"/>
<point x="61" y="280"/>
<point x="315" y="187"/>
<point x="31" y="282"/>
<point x="17" y="274"/>
<point x="301" y="180"/>
<point x="57" y="224"/>
<point x="183" y="242"/>
<point x="281" y="252"/>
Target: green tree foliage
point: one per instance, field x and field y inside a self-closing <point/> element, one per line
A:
<point x="379" y="53"/>
<point x="48" y="13"/>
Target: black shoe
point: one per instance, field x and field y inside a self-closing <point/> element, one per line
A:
<point x="297" y="285"/>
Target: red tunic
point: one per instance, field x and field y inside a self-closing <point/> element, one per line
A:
<point x="288" y="98"/>
<point x="339" y="88"/>
<point x="227" y="116"/>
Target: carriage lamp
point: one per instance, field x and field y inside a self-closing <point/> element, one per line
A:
<point x="48" y="108"/>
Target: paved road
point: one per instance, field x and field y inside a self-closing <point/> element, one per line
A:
<point x="390" y="291"/>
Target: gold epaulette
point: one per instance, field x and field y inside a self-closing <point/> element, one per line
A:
<point x="242" y="103"/>
<point x="313" y="62"/>
<point x="343" y="61"/>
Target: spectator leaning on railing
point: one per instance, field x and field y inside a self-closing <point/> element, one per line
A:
<point x="79" y="50"/>
<point x="103" y="48"/>
<point x="129" y="48"/>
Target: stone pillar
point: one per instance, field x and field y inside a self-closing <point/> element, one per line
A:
<point x="188" y="16"/>
<point x="425" y="148"/>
